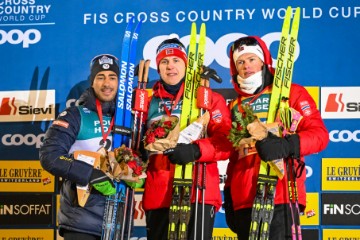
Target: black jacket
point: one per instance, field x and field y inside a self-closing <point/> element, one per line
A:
<point x="56" y="159"/>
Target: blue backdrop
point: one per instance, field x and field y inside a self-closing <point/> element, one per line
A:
<point x="48" y="45"/>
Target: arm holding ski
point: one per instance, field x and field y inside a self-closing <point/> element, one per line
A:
<point x="209" y="149"/>
<point x="216" y="146"/>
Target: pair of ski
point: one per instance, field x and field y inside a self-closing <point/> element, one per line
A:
<point x="279" y="111"/>
<point x="180" y="208"/>
<point x="118" y="213"/>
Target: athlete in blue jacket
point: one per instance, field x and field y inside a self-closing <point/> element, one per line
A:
<point x="79" y="128"/>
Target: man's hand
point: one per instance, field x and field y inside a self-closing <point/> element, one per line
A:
<point x="183" y="153"/>
<point x="273" y="147"/>
<point x="102" y="183"/>
<point x="208" y="73"/>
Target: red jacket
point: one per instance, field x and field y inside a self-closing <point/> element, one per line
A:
<point x="243" y="172"/>
<point x="160" y="172"/>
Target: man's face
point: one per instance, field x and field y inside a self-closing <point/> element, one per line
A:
<point x="172" y="70"/>
<point x="105" y="85"/>
<point x="248" y="64"/>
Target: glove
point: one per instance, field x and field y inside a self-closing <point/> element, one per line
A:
<point x="102" y="183"/>
<point x="183" y="153"/>
<point x="208" y="73"/>
<point x="135" y="184"/>
<point x="273" y="147"/>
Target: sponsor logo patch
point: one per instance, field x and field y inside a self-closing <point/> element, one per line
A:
<point x="61" y="123"/>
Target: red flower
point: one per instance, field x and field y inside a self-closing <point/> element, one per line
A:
<point x="168" y="124"/>
<point x="239" y="127"/>
<point x="132" y="164"/>
<point x="138" y="170"/>
<point x="150" y="138"/>
<point x="160" y="132"/>
<point x="135" y="167"/>
<point x="159" y="129"/>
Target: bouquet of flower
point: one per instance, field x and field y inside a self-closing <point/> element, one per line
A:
<point x="246" y="129"/>
<point x="125" y="164"/>
<point x="162" y="134"/>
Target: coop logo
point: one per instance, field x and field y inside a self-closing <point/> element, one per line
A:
<point x="16" y="37"/>
<point x="340" y="103"/>
<point x="20" y="106"/>
<point x="344" y="136"/>
<point x="19" y="140"/>
<point x="341" y="208"/>
<point x="219" y="46"/>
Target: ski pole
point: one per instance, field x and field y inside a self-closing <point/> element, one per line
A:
<point x="143" y="105"/>
<point x="293" y="200"/>
<point x="140" y="76"/>
<point x="131" y="212"/>
<point x="140" y="106"/>
<point x="204" y="100"/>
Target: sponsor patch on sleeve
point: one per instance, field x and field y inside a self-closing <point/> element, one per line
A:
<point x="61" y="123"/>
<point x="63" y="114"/>
<point x="305" y="108"/>
<point x="216" y="116"/>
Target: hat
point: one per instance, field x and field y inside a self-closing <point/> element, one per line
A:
<point x="171" y="47"/>
<point x="103" y="62"/>
<point x="256" y="49"/>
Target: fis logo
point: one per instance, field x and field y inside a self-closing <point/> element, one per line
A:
<point x="340" y="103"/>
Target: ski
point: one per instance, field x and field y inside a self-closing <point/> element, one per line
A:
<point x="118" y="207"/>
<point x="179" y="214"/>
<point x="263" y="207"/>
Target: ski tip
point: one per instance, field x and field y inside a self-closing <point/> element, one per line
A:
<point x="203" y="29"/>
<point x="297" y="12"/>
<point x="193" y="27"/>
<point x="289" y="11"/>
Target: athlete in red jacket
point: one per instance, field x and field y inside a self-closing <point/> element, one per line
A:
<point x="167" y="100"/>
<point x="252" y="74"/>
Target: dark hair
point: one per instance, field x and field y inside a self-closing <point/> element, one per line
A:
<point x="248" y="41"/>
<point x="170" y="40"/>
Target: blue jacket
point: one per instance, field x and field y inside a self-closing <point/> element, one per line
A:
<point x="74" y="130"/>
